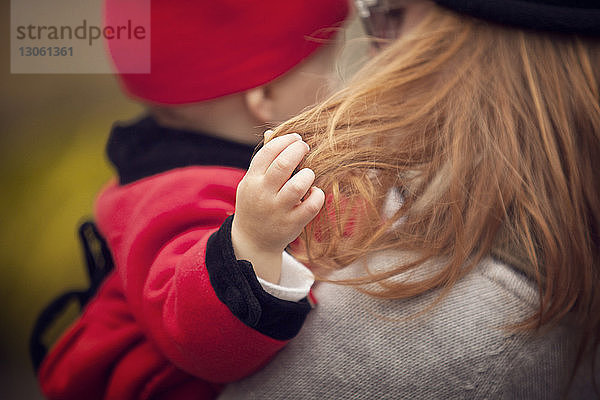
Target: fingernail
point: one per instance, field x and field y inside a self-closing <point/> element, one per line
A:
<point x="297" y="136"/>
<point x="268" y="133"/>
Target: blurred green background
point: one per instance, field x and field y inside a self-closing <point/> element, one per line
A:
<point x="52" y="163"/>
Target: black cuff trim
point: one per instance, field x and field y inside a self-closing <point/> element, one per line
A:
<point x="236" y="285"/>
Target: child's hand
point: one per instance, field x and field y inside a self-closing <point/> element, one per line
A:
<point x="270" y="210"/>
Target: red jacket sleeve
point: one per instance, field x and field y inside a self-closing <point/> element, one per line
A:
<point x="180" y="315"/>
<point x="158" y="229"/>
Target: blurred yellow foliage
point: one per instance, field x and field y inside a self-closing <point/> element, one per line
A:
<point x="52" y="165"/>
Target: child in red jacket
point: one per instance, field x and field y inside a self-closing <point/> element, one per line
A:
<point x="200" y="297"/>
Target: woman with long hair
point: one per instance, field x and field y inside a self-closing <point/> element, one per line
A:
<point x="458" y="249"/>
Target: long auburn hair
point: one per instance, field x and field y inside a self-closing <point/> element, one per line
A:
<point x="491" y="134"/>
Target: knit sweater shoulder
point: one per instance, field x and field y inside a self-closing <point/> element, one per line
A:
<point x="355" y="346"/>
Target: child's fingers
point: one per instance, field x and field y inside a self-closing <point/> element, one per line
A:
<point x="310" y="207"/>
<point x="265" y="156"/>
<point x="296" y="187"/>
<point x="267" y="135"/>
<point x="284" y="164"/>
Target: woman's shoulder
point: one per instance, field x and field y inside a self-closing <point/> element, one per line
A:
<point x="465" y="341"/>
<point x="357" y="346"/>
<point x="493" y="290"/>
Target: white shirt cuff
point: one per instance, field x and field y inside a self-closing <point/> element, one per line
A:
<point x="295" y="282"/>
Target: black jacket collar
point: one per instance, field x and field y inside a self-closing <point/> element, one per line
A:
<point x="145" y="148"/>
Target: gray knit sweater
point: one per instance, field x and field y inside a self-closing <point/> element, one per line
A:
<point x="354" y="346"/>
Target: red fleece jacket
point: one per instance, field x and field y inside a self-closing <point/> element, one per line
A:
<point x="163" y="325"/>
<point x="160" y="316"/>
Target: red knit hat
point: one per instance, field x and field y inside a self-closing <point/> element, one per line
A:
<point x="201" y="50"/>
